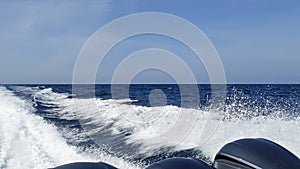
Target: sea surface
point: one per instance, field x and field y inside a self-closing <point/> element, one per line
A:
<point x="43" y="126"/>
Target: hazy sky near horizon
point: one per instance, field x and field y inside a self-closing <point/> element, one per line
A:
<point x="258" y="41"/>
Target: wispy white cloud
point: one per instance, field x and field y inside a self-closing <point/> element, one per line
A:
<point x="47" y="16"/>
<point x="40" y="40"/>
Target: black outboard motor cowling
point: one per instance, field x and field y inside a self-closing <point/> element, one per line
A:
<point x="86" y="165"/>
<point x="241" y="154"/>
<point x="180" y="163"/>
<point x="255" y="154"/>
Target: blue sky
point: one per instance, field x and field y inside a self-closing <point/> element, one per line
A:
<point x="258" y="41"/>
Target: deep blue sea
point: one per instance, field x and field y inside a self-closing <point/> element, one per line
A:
<point x="44" y="126"/>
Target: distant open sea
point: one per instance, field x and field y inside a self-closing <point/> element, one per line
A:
<point x="40" y="125"/>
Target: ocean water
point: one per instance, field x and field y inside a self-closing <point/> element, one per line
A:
<point x="43" y="126"/>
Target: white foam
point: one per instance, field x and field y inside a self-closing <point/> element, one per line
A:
<point x="28" y="142"/>
<point x="283" y="132"/>
<point x="144" y="124"/>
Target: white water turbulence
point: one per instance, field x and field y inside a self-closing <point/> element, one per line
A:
<point x="117" y="116"/>
<point x="281" y="131"/>
<point x="27" y="141"/>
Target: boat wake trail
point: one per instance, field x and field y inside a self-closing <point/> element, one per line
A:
<point x="27" y="141"/>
